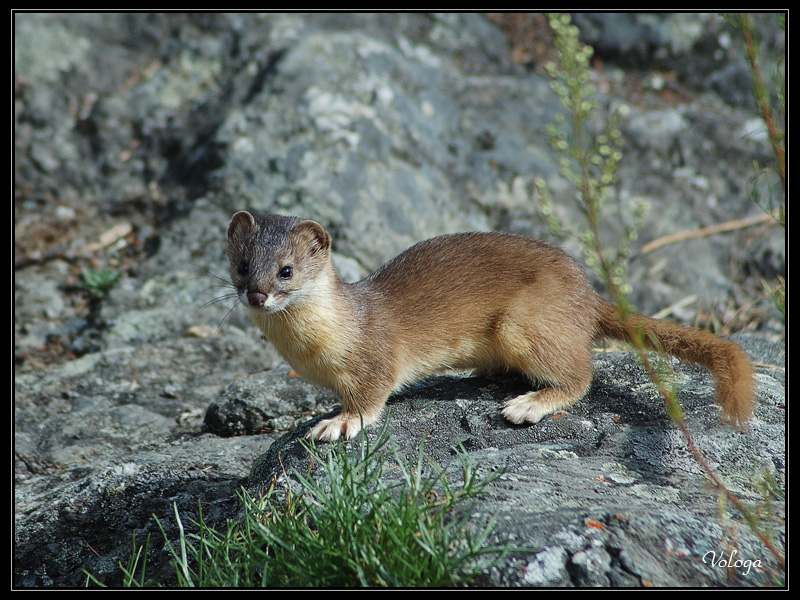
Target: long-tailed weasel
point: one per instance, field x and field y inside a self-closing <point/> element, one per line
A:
<point x="486" y="301"/>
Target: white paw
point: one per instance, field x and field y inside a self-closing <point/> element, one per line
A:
<point x="525" y="409"/>
<point x="330" y="430"/>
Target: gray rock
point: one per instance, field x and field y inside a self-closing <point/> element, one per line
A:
<point x="265" y="402"/>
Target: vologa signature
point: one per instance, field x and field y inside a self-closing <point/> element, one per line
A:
<point x="732" y="562"/>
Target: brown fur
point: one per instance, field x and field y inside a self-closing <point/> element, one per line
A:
<point x="485" y="301"/>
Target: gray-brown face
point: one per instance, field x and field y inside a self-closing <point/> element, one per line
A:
<point x="274" y="259"/>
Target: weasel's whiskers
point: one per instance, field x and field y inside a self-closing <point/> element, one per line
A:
<point x="224" y="284"/>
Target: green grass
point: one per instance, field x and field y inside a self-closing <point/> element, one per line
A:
<point x="99" y="281"/>
<point x="348" y="528"/>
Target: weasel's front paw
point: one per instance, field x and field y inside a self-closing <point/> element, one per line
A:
<point x="330" y="430"/>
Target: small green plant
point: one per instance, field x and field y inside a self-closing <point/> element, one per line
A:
<point x="589" y="160"/>
<point x="777" y="293"/>
<point x="588" y="145"/>
<point x="590" y="163"/>
<point x="99" y="281"/>
<point x="771" y="106"/>
<point x="349" y="529"/>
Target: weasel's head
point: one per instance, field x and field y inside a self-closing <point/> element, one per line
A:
<point x="277" y="261"/>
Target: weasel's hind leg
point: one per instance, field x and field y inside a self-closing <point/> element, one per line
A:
<point x="550" y="345"/>
<point x="533" y="406"/>
<point x="566" y="378"/>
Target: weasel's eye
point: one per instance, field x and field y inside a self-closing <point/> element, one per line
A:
<point x="243" y="269"/>
<point x="285" y="273"/>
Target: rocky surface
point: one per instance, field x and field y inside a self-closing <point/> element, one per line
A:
<point x="136" y="137"/>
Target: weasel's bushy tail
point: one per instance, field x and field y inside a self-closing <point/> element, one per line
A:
<point x="727" y="362"/>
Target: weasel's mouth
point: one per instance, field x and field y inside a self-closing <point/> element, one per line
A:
<point x="259" y="302"/>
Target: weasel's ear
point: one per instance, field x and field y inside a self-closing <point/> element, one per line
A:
<point x="239" y="220"/>
<point x="313" y="236"/>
